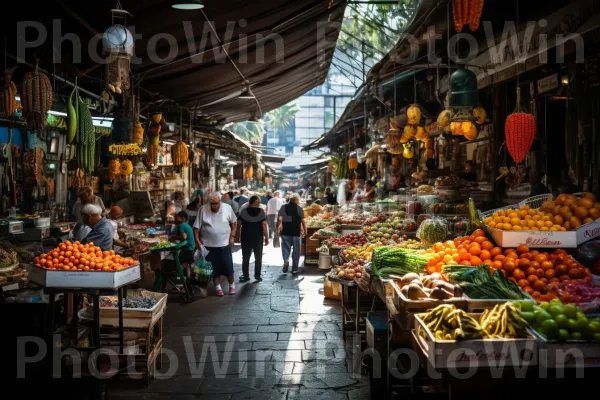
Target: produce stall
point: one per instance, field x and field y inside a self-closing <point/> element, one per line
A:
<point x="526" y="305"/>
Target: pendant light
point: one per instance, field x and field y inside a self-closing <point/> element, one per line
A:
<point x="187" y="4"/>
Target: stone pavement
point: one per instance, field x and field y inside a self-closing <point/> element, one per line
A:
<point x="277" y="339"/>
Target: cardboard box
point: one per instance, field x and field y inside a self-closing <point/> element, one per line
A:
<point x="332" y="290"/>
<point x="577" y="354"/>
<point x="84" y="279"/>
<point x="488" y="353"/>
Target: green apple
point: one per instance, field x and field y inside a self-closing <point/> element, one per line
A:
<point x="541" y="316"/>
<point x="570" y="311"/>
<point x="528" y="316"/>
<point x="576" y="336"/>
<point x="544" y="305"/>
<point x="563" y="335"/>
<point x="526" y="306"/>
<point x="595" y="326"/>
<point x="562" y="321"/>
<point x="550" y="328"/>
<point x="556" y="309"/>
<point x="556" y="301"/>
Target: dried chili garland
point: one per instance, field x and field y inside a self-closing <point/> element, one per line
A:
<point x="467" y="12"/>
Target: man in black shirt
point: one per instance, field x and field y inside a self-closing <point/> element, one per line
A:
<point x="292" y="226"/>
<point x="254" y="229"/>
<point x="330" y="197"/>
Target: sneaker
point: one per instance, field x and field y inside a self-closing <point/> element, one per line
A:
<point x="220" y="293"/>
<point x="231" y="290"/>
<point x="294" y="271"/>
<point x="258" y="279"/>
<point x="244" y="279"/>
<point x="286" y="267"/>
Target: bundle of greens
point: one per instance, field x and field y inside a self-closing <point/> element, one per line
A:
<point x="388" y="261"/>
<point x="480" y="283"/>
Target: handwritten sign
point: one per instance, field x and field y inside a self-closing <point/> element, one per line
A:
<point x="130" y="149"/>
<point x="535" y="239"/>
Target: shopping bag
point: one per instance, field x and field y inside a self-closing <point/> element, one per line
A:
<point x="276" y="242"/>
<point x="202" y="272"/>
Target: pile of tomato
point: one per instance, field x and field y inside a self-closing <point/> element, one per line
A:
<point x="82" y="257"/>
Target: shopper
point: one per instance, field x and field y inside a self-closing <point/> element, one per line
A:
<point x="101" y="233"/>
<point x="330" y="196"/>
<point x="214" y="229"/>
<point x="254" y="233"/>
<point x="369" y="192"/>
<point x="170" y="211"/>
<point x="192" y="210"/>
<point x="292" y="226"/>
<point x="115" y="214"/>
<point x="86" y="196"/>
<point x="242" y="198"/>
<point x="273" y="207"/>
<point x="184" y="233"/>
<point x="228" y="199"/>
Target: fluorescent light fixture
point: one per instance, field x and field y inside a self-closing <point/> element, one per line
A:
<point x="247" y="93"/>
<point x="59" y="113"/>
<point x="187" y="5"/>
<point x="168" y="141"/>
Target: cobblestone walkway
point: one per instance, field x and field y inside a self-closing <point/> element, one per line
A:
<point x="277" y="339"/>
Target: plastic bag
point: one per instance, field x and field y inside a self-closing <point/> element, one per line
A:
<point x="433" y="230"/>
<point x="202" y="272"/>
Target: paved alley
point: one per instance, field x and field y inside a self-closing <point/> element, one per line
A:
<point x="277" y="339"/>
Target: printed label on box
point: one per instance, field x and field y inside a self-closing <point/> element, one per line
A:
<point x="535" y="239"/>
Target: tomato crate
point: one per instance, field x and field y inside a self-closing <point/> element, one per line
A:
<point x="408" y="308"/>
<point x="477" y="353"/>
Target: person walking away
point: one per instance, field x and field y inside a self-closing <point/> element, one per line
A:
<point x="228" y="199"/>
<point x="214" y="229"/>
<point x="184" y="233"/>
<point x="242" y="198"/>
<point x="254" y="232"/>
<point x="273" y="207"/>
<point x="113" y="216"/>
<point x="101" y="233"/>
<point x="292" y="225"/>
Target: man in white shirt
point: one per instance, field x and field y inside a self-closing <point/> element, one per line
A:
<point x="215" y="229"/>
<point x="273" y="207"/>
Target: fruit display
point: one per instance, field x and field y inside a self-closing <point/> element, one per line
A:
<point x="317" y="223"/>
<point x="22" y="254"/>
<point x="483" y="283"/>
<point x="391" y="229"/>
<point x="446" y="322"/>
<point x="146" y="303"/>
<point x="409" y="244"/>
<point x="433" y="230"/>
<point x="562" y="322"/>
<point x="8" y="256"/>
<point x="363" y="252"/>
<point x="534" y="270"/>
<point x="571" y="212"/>
<point x="350" y="218"/>
<point x="526" y="219"/>
<point x="418" y="287"/>
<point x="353" y="239"/>
<point x="139" y="227"/>
<point x="581" y="293"/>
<point x="82" y="257"/>
<point x="328" y="231"/>
<point x="350" y="270"/>
<point x="162" y="245"/>
<point x="387" y="261"/>
<point x="373" y="220"/>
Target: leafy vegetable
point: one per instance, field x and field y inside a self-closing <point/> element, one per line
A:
<point x="388" y="261"/>
<point x="480" y="283"/>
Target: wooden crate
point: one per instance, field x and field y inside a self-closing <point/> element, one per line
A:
<point x="408" y="308"/>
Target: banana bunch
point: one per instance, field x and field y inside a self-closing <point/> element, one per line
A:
<point x="447" y="322"/>
<point x="504" y="321"/>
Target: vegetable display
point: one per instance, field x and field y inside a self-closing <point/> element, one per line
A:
<point x="433" y="230"/>
<point x="82" y="257"/>
<point x="481" y="283"/>
<point x="388" y="261"/>
<point x="353" y="239"/>
<point x="419" y="287"/>
<point x="129" y="302"/>
<point x="585" y="295"/>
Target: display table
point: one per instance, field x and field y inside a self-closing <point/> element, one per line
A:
<point x="355" y="305"/>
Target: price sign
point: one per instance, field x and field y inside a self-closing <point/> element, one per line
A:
<point x="130" y="149"/>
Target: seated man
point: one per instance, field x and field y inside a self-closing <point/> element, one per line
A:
<point x="101" y="233"/>
<point x="184" y="233"/>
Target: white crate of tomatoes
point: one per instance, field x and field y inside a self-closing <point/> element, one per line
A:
<point x="76" y="265"/>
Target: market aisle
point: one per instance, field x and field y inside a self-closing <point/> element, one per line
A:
<point x="278" y="339"/>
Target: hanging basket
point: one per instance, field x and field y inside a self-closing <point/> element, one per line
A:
<point x="519" y="130"/>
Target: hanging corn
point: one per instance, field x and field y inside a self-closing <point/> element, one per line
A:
<point x="179" y="154"/>
<point x="36" y="99"/>
<point x="467" y="12"/>
<point x="519" y="130"/>
<point x="249" y="173"/>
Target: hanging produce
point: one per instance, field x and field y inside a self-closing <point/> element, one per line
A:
<point x="469" y="130"/>
<point x="421" y="134"/>
<point x="138" y="133"/>
<point x="36" y="99"/>
<point x="249" y="173"/>
<point x="86" y="143"/>
<point x="9" y="103"/>
<point x="414" y="114"/>
<point x="72" y="117"/>
<point x="152" y="154"/>
<point x="259" y="173"/>
<point x="456" y="128"/>
<point x="480" y="115"/>
<point x="179" y="154"/>
<point x="467" y="12"/>
<point x="114" y="168"/>
<point x="429" y="151"/>
<point x="443" y="120"/>
<point x="520" y="132"/>
<point x="353" y="162"/>
<point x="408" y="151"/>
<point x="126" y="168"/>
<point x="409" y="133"/>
